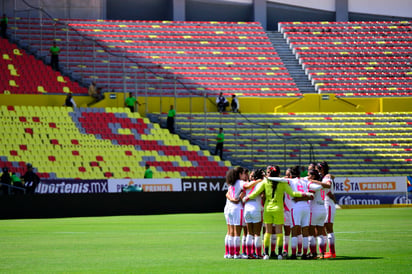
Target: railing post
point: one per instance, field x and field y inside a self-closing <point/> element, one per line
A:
<point x="145" y="90"/>
<point x="108" y="71"/>
<point x="29" y="27"/>
<point x="160" y="99"/>
<point x="94" y="58"/>
<point x="191" y="114"/>
<point x="67" y="47"/>
<point x="124" y="76"/>
<point x="267" y="144"/>
<point x="284" y="154"/>
<point x="252" y="151"/>
<point x="236" y="132"/>
<point x="175" y="92"/>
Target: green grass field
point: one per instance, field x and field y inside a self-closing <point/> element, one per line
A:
<point x="367" y="241"/>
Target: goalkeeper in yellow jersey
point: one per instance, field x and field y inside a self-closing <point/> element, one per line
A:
<point x="273" y="209"/>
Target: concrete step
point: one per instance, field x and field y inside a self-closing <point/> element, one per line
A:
<point x="292" y="64"/>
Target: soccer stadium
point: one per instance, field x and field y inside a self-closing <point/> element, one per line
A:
<point x="205" y="136"/>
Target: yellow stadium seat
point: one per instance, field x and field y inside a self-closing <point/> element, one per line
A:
<point x="12" y="83"/>
<point x="41" y="89"/>
<point x="17" y="52"/>
<point x="60" y="79"/>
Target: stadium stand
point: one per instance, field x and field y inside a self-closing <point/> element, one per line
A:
<point x="354" y="58"/>
<point x="163" y="57"/>
<point x="361" y="144"/>
<point x="95" y="143"/>
<point x="22" y="73"/>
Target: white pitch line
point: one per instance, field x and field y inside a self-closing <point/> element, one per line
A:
<point x="390" y="231"/>
<point x="377" y="241"/>
<point x="69" y="232"/>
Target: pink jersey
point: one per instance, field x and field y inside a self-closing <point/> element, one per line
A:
<point x="328" y="200"/>
<point x="319" y="195"/>
<point x="299" y="185"/>
<point x="257" y="202"/>
<point x="234" y="193"/>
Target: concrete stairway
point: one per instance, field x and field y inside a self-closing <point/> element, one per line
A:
<point x="290" y="61"/>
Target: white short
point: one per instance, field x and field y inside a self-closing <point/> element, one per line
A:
<point x="318" y="215"/>
<point x="236" y="216"/>
<point x="330" y="213"/>
<point x="226" y="213"/>
<point x="300" y="216"/>
<point x="287" y="218"/>
<point x="252" y="215"/>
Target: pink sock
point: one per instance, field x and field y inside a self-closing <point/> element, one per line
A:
<point x="294" y="245"/>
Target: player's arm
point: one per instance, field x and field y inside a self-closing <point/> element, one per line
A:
<point x="278" y="179"/>
<point x="251" y="184"/>
<point x="332" y="197"/>
<point x="326" y="184"/>
<point x="254" y="193"/>
<point x="312" y="189"/>
<point x="233" y="200"/>
<point x="292" y="193"/>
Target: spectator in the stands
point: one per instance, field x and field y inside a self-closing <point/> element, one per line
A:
<point x="220" y="139"/>
<point x="171" y="119"/>
<point x="54" y="51"/>
<point x="5" y="181"/>
<point x="131" y="102"/>
<point x="69" y="101"/>
<point x="31" y="180"/>
<point x="3" y="26"/>
<point x="95" y="92"/>
<point x="16" y="181"/>
<point x="221" y="103"/>
<point x="148" y="174"/>
<point x="235" y="103"/>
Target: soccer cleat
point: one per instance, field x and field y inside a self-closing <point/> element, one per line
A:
<point x="299" y="254"/>
<point x="330" y="255"/>
<point x="293" y="257"/>
<point x="257" y="257"/>
<point x="273" y="255"/>
<point x="266" y="257"/>
<point x="244" y="256"/>
<point x="237" y="257"/>
<point x="321" y="256"/>
<point x="280" y="257"/>
<point x="228" y="256"/>
<point x="304" y="257"/>
<point x="284" y="254"/>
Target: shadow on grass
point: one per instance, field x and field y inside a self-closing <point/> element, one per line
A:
<point x="350" y="258"/>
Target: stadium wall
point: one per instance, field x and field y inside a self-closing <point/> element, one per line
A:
<point x="215" y="10"/>
<point x="110" y="204"/>
<point x="306" y="103"/>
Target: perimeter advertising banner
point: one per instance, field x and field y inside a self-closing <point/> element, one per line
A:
<point x="372" y="199"/>
<point x="199" y="185"/>
<point x="70" y="186"/>
<point x="359" y="185"/>
<point x="148" y="185"/>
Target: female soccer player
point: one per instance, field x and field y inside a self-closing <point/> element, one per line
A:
<point x="235" y="210"/>
<point x="300" y="212"/>
<point x="273" y="208"/>
<point x="330" y="203"/>
<point x="228" y="237"/>
<point x="253" y="216"/>
<point x="318" y="215"/>
<point x="287" y="206"/>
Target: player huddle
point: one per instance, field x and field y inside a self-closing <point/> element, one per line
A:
<point x="292" y="209"/>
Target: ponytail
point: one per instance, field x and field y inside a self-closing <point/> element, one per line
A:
<point x="274" y="171"/>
